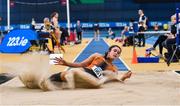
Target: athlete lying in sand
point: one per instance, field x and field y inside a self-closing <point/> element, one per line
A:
<point x="95" y="70"/>
<point x="90" y="73"/>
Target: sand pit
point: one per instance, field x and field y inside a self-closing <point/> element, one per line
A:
<point x="145" y="87"/>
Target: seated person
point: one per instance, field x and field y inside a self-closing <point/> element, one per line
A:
<point x="127" y="39"/>
<point x="170" y="42"/>
<point x="164" y="37"/>
<point x="111" y="34"/>
<point x="45" y="32"/>
<point x="159" y="42"/>
<point x="47" y="27"/>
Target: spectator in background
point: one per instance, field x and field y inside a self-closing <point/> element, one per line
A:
<point x="142" y="18"/>
<point x="127" y="39"/>
<point x="125" y="32"/>
<point x="165" y="27"/>
<point x="79" y="31"/>
<point x="111" y="34"/>
<point x="156" y="27"/>
<point x="170" y="42"/>
<point x="47" y="27"/>
<point x="163" y="40"/>
<point x="54" y="19"/>
<point x="159" y="42"/>
<point x="64" y="35"/>
<point x="96" y="32"/>
<point x="45" y="32"/>
<point x="141" y="37"/>
<point x="33" y="24"/>
<point x="131" y="24"/>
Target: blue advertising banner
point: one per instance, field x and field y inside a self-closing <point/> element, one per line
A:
<point x="84" y="25"/>
<point x="17" y="41"/>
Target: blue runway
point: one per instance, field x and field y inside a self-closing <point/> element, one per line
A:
<point x="99" y="47"/>
<point x="151" y="40"/>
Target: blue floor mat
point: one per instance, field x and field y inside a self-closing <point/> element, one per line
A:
<point x="99" y="47"/>
<point x="151" y="40"/>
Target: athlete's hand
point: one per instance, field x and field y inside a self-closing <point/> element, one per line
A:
<point x="60" y="61"/>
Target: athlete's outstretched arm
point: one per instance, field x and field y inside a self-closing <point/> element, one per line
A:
<point x="86" y="62"/>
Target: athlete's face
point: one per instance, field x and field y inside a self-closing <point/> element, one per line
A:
<point x="114" y="53"/>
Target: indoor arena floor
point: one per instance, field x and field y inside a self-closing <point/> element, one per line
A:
<point x="150" y="84"/>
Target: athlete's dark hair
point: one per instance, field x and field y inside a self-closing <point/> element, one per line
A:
<point x="110" y="48"/>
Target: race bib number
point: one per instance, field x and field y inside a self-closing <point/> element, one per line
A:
<point x="97" y="71"/>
